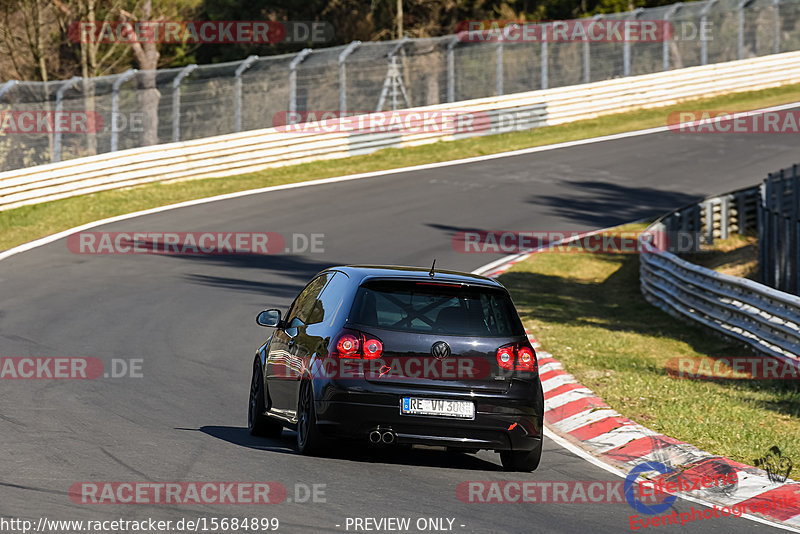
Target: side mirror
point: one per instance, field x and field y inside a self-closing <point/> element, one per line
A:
<point x="269" y="318"/>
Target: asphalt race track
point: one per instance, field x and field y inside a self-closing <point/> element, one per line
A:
<point x="191" y="320"/>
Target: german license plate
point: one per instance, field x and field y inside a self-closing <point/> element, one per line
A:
<point x="440" y="407"/>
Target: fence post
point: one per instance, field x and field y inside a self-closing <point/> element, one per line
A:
<point x="343" y="74"/>
<point x="7" y="87"/>
<point x="293" y="82"/>
<point x="626" y="46"/>
<point x="176" y="101"/>
<point x="587" y="67"/>
<point x="59" y="108"/>
<point x="794" y="243"/>
<point x="776" y="17"/>
<point x="761" y="208"/>
<point x="783" y="242"/>
<point x="740" y="14"/>
<point x="451" y="68"/>
<point x="665" y="43"/>
<point x="775" y="259"/>
<point x="238" y="101"/>
<point x="703" y="40"/>
<point x="544" y="57"/>
<point x="498" y="73"/>
<point x="124" y="77"/>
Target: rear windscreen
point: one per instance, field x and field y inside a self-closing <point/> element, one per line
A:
<point x="427" y="307"/>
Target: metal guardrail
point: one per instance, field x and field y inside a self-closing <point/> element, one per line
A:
<point x="713" y="218"/>
<point x="765" y="319"/>
<point x="257" y="150"/>
<point x="779" y="230"/>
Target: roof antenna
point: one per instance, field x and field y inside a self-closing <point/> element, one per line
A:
<point x="432" y="266"/>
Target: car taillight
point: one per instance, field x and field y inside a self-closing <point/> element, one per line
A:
<point x="373" y="348"/>
<point x="347" y="346"/>
<point x="353" y="344"/>
<point x="517" y="356"/>
<point x="505" y="357"/>
<point x="526" y="360"/>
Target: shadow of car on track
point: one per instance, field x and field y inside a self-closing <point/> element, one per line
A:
<point x="354" y="451"/>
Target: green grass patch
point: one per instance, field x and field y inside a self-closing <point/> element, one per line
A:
<point x="737" y="256"/>
<point x="588" y="311"/>
<point x="30" y="222"/>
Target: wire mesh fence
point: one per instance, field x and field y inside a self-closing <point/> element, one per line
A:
<point x="61" y="120"/>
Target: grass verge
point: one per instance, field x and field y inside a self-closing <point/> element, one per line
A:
<point x="737" y="256"/>
<point x="588" y="311"/>
<point x="30" y="222"/>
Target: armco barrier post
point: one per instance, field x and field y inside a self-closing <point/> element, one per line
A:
<point x="176" y="101"/>
<point x="343" y="74"/>
<point x="708" y="208"/>
<point x="59" y="108"/>
<point x="238" y="97"/>
<point x="124" y="77"/>
<point x="724" y="217"/>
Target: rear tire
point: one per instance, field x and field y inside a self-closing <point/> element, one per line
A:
<point x="257" y="423"/>
<point x="525" y="461"/>
<point x="310" y="441"/>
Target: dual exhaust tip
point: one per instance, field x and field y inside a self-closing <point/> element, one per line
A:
<point x="381" y="436"/>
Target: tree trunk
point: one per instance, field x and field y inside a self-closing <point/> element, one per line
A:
<point x="148" y="94"/>
<point x="42" y="64"/>
<point x="88" y="70"/>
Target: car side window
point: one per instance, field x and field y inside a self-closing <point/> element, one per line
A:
<point x="331" y="300"/>
<point x="304" y="303"/>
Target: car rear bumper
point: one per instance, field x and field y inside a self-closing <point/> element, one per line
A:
<point x="508" y="421"/>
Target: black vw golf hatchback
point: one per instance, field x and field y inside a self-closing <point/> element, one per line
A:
<point x="400" y="355"/>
